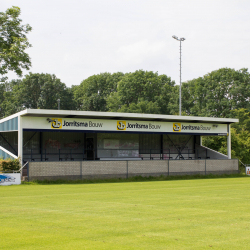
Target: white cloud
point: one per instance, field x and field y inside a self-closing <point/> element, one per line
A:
<point x="76" y="39"/>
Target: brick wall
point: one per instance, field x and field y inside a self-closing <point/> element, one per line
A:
<point x="124" y="169"/>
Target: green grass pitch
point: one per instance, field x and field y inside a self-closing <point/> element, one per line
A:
<point x="181" y="214"/>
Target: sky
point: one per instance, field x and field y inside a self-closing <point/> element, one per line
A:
<point x="75" y="39"/>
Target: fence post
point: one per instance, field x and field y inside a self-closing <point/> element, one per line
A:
<point x="205" y="166"/>
<point x="127" y="169"/>
<point x="81" y="169"/>
<point x="168" y="167"/>
<point x="28" y="172"/>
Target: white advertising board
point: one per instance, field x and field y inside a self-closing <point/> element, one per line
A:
<point x="247" y="170"/>
<point x="10" y="179"/>
<point x="122" y="126"/>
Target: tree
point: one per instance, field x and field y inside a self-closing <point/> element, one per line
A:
<point x="218" y="92"/>
<point x="143" y="91"/>
<point x="2" y="90"/>
<point x="244" y="119"/>
<point x="93" y="92"/>
<point x="13" y="43"/>
<point x="37" y="91"/>
<point x="144" y="107"/>
<point x="193" y="94"/>
<point x="8" y="101"/>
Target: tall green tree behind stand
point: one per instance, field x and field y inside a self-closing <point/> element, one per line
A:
<point x="51" y="91"/>
<point x="143" y="92"/>
<point x="138" y="92"/>
<point x="36" y="91"/>
<point x="93" y="92"/>
<point x="217" y="93"/>
<point x="8" y="102"/>
<point x="2" y="109"/>
<point x="13" y="43"/>
<point x="222" y="93"/>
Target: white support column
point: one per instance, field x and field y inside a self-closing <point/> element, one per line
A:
<point x="20" y="139"/>
<point x="228" y="141"/>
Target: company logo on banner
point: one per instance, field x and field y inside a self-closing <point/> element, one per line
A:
<point x="55" y="123"/>
<point x="10" y="179"/>
<point x="121" y="125"/>
<point x="6" y="178"/>
<point x="176" y="127"/>
<point x="58" y="123"/>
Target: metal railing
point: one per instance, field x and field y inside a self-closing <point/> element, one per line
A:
<point x="111" y="154"/>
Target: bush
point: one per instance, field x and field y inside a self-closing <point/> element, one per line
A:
<point x="9" y="165"/>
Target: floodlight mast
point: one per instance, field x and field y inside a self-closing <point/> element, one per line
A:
<point x="182" y="39"/>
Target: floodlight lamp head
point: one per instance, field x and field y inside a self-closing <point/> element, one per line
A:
<point x="182" y="39"/>
<point x="175" y="37"/>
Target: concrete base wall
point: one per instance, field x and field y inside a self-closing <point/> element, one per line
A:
<point x="76" y="170"/>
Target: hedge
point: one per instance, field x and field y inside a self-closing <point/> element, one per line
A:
<point x="9" y="165"/>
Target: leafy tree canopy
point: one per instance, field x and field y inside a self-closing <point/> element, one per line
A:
<point x="143" y="92"/>
<point x="217" y="93"/>
<point x="13" y="43"/>
<point x="36" y="91"/>
<point x="93" y="92"/>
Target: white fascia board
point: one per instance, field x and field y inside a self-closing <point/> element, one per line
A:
<point x="96" y="114"/>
